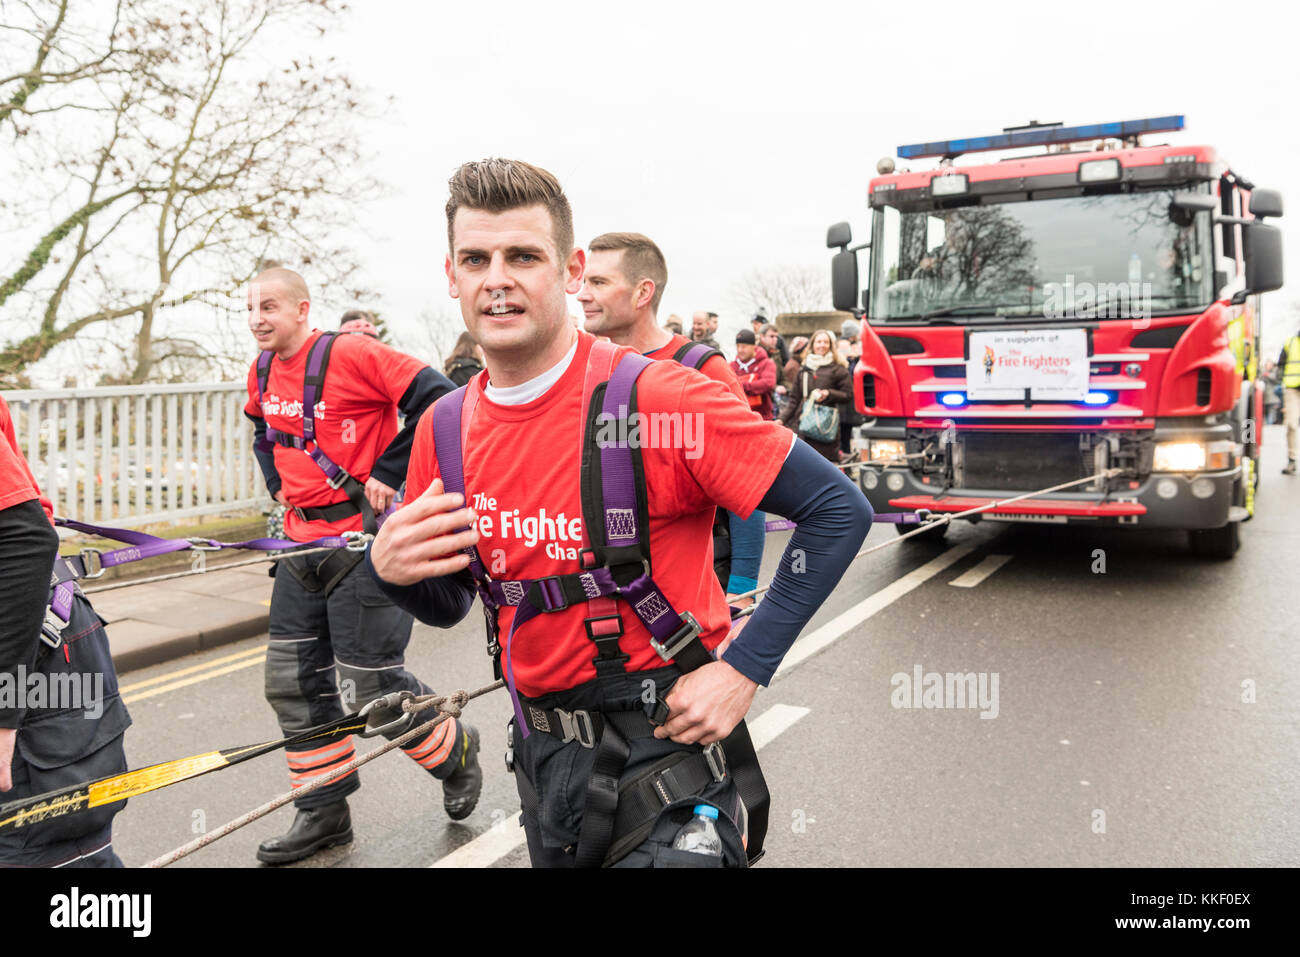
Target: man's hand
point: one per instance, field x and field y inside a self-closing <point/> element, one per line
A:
<point x="706" y="704"/>
<point x="421" y="539"/>
<point x="7" y="736"/>
<point x="379" y="495"/>
<point x="279" y="497"/>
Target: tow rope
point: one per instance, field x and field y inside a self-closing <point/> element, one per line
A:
<point x="929" y="520"/>
<point x="382" y="714"/>
<point x="118" y="787"/>
<point x="404" y="704"/>
<point x="449" y="706"/>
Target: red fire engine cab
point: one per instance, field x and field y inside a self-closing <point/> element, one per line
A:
<point x="1048" y="317"/>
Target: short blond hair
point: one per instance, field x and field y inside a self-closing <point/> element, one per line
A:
<point x="641" y="259"/>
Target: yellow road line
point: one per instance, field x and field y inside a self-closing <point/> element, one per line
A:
<point x="194" y="679"/>
<point x="259" y="650"/>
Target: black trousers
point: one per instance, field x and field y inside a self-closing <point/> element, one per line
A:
<point x="74" y="734"/>
<point x="552" y="776"/>
<point x="355" y="631"/>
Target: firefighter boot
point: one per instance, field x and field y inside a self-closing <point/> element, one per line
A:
<point x="1290" y="468"/>
<point x="312" y="829"/>
<point x="460" y="789"/>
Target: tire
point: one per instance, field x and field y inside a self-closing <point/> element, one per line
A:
<point x="1220" y="543"/>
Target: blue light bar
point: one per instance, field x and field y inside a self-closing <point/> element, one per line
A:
<point x="953" y="399"/>
<point x="1042" y="137"/>
<point x="1098" y="398"/>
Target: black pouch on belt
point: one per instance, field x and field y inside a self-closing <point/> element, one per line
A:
<point x="321" y="571"/>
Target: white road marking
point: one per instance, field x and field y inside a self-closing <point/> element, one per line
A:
<point x="502" y="838"/>
<point x="981" y="571"/>
<point x="769" y="724"/>
<point x="842" y="623"/>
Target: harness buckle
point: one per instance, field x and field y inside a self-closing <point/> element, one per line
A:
<point x="716" y="759"/>
<point x="381" y="708"/>
<point x="683" y="636"/>
<point x="577" y="726"/>
<point x="203" y="545"/>
<point x="540" y="585"/>
<point x="510" y="746"/>
<point x="337" y="481"/>
<point x="91" y="558"/>
<point x="52" y="628"/>
<point x="299" y="512"/>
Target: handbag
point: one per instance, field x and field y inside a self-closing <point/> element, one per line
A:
<point x="818" y="423"/>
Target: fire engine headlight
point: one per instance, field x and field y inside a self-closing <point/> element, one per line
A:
<point x="1099" y="171"/>
<point x="1179" y="457"/>
<point x="886" y="450"/>
<point x="870" y="478"/>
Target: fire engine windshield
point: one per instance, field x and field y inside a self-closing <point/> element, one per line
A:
<point x="1120" y="255"/>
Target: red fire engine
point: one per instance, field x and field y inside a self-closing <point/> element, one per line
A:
<point x="1048" y="317"/>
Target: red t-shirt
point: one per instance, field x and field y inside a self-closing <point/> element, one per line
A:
<point x="17" y="484"/>
<point x="715" y="367"/>
<point x="522" y="470"/>
<point x="356" y="419"/>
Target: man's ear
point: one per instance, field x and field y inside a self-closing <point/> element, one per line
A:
<point x="452" y="289"/>
<point x="574" y="270"/>
<point x="304" y="307"/>
<point x="645" y="293"/>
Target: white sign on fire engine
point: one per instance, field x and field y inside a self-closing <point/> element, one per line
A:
<point x="1051" y="364"/>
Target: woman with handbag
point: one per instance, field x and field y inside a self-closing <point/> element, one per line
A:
<point x="821" y="386"/>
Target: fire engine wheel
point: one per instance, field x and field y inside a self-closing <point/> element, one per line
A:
<point x="935" y="534"/>
<point x="1221" y="543"/>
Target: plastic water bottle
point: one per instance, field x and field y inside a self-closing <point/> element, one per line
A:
<point x="699" y="835"/>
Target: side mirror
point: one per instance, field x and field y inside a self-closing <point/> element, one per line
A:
<point x="1263" y="251"/>
<point x="844" y="279"/>
<point x="839" y="236"/>
<point x="1265" y="202"/>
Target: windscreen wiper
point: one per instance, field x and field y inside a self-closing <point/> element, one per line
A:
<point x="951" y="310"/>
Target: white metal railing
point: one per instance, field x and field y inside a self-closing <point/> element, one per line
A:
<point x="131" y="455"/>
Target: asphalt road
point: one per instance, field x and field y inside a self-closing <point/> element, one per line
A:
<point x="1147" y="714"/>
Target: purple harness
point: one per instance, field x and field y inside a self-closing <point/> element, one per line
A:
<point x="616" y="561"/>
<point x="313" y="384"/>
<point x="91" y="562"/>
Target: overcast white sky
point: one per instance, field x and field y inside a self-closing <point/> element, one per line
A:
<point x="734" y="133"/>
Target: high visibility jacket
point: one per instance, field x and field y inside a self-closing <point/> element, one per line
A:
<point x="1291" y="370"/>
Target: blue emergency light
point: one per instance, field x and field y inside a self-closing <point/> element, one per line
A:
<point x="1098" y="398"/>
<point x="953" y="399"/>
<point x="1014" y="138"/>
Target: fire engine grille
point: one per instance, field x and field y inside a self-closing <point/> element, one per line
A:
<point x="1019" y="461"/>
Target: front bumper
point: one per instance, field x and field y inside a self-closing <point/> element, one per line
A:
<point x="1196" y="500"/>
